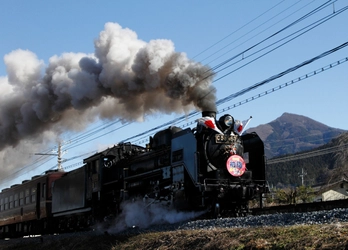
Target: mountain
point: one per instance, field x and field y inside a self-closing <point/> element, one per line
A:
<point x="291" y="133"/>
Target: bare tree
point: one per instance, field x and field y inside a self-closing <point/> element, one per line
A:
<point x="341" y="157"/>
<point x="340" y="170"/>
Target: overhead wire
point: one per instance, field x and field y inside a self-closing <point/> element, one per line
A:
<point x="97" y="137"/>
<point x="305" y="30"/>
<point x="247" y="33"/>
<point x="92" y="132"/>
<point x="272" y="78"/>
<point x="243" y="26"/>
<point x="305" y="155"/>
<point x="302" y="18"/>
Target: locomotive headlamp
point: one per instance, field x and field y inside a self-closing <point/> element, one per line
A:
<point x="228" y="120"/>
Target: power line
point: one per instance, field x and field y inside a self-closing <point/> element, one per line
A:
<point x="274" y="34"/>
<point x="272" y="78"/>
<point x="240" y="28"/>
<point x="287" y="84"/>
<point x="97" y="137"/>
<point x="242" y="43"/>
<point x="306" y="29"/>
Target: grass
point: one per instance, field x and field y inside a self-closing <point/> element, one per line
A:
<point x="332" y="236"/>
<point x="294" y="237"/>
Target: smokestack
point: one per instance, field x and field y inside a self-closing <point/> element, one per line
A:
<point x="209" y="113"/>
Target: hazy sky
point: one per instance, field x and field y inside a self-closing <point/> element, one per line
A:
<point x="244" y="42"/>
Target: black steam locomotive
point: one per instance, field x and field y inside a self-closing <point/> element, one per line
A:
<point x="210" y="167"/>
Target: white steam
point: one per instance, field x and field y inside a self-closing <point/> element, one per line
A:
<point x="137" y="214"/>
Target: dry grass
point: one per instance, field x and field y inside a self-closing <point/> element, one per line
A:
<point x="295" y="237"/>
<point x="333" y="236"/>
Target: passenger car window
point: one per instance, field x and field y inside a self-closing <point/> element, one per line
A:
<point x="21" y="198"/>
<point x="33" y="194"/>
<point x="16" y="201"/>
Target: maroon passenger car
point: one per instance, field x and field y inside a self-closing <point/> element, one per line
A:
<point x="26" y="208"/>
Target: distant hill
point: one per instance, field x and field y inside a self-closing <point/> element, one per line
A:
<point x="323" y="165"/>
<point x="291" y="133"/>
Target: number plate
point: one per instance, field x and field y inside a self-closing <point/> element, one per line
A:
<point x="219" y="138"/>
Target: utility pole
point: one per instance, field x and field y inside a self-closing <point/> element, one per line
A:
<point x="302" y="175"/>
<point x="59" y="154"/>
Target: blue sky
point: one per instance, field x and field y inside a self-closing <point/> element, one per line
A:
<point x="209" y="32"/>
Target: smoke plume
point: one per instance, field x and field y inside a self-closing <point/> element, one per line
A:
<point x="125" y="78"/>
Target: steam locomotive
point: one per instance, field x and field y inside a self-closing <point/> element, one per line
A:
<point x="211" y="167"/>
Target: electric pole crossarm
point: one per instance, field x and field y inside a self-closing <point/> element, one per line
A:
<point x="59" y="154"/>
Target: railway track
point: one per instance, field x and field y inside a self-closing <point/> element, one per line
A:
<point x="301" y="207"/>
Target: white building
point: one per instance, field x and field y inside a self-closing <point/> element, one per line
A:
<point x="332" y="191"/>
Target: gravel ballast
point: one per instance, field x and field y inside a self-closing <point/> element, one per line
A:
<point x="285" y="219"/>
